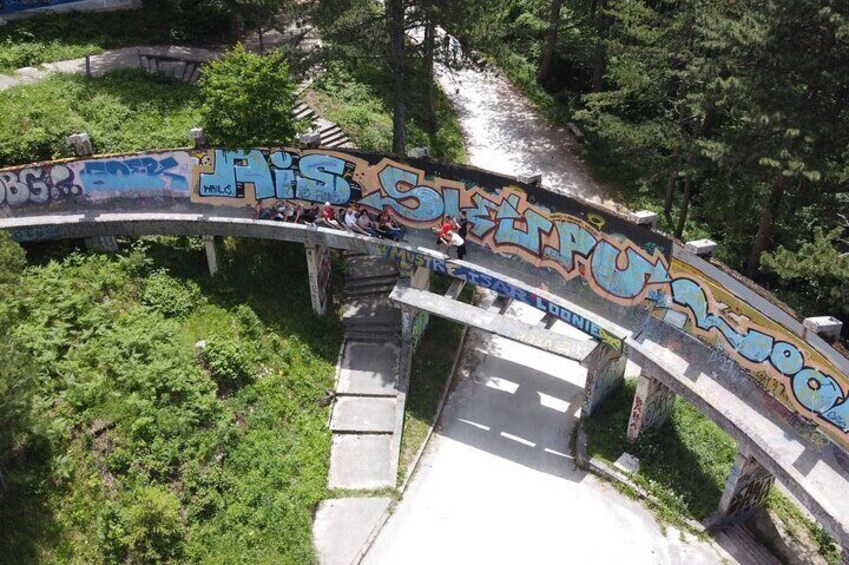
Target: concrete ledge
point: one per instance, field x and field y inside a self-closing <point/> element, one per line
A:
<point x="493" y="323"/>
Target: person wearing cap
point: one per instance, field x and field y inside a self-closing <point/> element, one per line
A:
<point x="452" y="239"/>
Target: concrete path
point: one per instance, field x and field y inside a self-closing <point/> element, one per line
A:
<point x="342" y="525"/>
<point x="503" y="133"/>
<point x="498" y="485"/>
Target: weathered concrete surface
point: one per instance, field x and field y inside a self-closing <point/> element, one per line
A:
<point x="343" y="525"/>
<point x="363" y="414"/>
<point x="361" y="461"/>
<point x="492" y="322"/>
<point x="497" y="484"/>
<point x="369" y="368"/>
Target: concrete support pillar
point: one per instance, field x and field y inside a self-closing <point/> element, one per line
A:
<point x="102" y="244"/>
<point x="605" y="373"/>
<point x="211" y="246"/>
<point x="414" y="321"/>
<point x="653" y="403"/>
<point x="318" y="265"/>
<point x="746" y="489"/>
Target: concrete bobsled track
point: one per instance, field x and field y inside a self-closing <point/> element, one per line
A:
<point x="695" y="328"/>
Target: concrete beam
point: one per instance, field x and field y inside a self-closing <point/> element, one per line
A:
<point x="653" y="403"/>
<point x="491" y="322"/>
<point x="455" y="289"/>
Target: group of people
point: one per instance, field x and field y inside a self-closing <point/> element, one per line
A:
<point x="357" y="219"/>
<point x="354" y="218"/>
<point x="453" y="234"/>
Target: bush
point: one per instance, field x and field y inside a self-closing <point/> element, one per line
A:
<point x="150" y="529"/>
<point x="227" y="361"/>
<point x="248" y="100"/>
<point x="169" y="296"/>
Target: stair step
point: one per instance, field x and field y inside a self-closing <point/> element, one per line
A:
<point x="328" y="139"/>
<point x="380" y="278"/>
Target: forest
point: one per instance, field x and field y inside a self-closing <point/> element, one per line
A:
<point x="729" y="119"/>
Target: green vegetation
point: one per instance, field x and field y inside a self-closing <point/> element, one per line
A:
<point x="126" y="110"/>
<point x="140" y="446"/>
<point x="684" y="464"/>
<point x="355" y="95"/>
<point x="58" y="37"/>
<point x="430" y="372"/>
<point x="248" y="99"/>
<point x="726" y="118"/>
<point x="798" y="525"/>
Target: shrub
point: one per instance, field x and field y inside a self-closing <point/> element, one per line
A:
<point x="152" y="528"/>
<point x="248" y="100"/>
<point x="228" y="362"/>
<point x="169" y="296"/>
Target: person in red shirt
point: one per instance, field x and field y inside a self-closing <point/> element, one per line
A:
<point x="447" y="226"/>
<point x="328" y="217"/>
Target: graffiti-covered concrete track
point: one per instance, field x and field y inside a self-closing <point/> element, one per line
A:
<point x="696" y="329"/>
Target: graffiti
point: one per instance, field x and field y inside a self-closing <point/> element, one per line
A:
<point x="319" y="269"/>
<point x="605" y="372"/>
<point x="624" y="264"/>
<point x="38" y="233"/>
<point x="9" y="6"/>
<point x="419" y="325"/>
<point x="747" y="488"/>
<point x="410" y="259"/>
<point x="237" y="177"/>
<point x="37" y="185"/>
<point x="142" y="176"/>
<point x="635" y="420"/>
<point x="653" y="402"/>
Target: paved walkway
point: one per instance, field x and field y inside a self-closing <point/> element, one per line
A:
<point x="498" y="485"/>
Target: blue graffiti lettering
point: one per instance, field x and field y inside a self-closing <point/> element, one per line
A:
<point x="574" y="240"/>
<point x="535" y="226"/>
<point x="629" y="282"/>
<point x="133" y="174"/>
<point x="401" y="193"/>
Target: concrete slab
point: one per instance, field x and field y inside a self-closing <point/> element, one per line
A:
<point x="369" y="368"/>
<point x="363" y="414"/>
<point x="342" y="526"/>
<point x="361" y="461"/>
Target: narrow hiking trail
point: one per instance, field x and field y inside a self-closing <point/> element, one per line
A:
<point x="505" y="134"/>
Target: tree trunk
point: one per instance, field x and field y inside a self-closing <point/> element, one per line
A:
<point x="685" y="205"/>
<point x="767" y="222"/>
<point x="397" y="64"/>
<point x="429" y="46"/>
<point x="550" y="42"/>
<point x="600" y="60"/>
<point x="671" y="180"/>
<point x="261" y="41"/>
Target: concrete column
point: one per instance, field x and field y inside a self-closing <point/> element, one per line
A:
<point x="414" y="321"/>
<point x="211" y="246"/>
<point x="102" y="244"/>
<point x="318" y="265"/>
<point x="605" y="373"/>
<point x="745" y="490"/>
<point x="653" y="403"/>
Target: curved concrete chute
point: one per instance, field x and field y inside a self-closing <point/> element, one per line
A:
<point x="696" y="329"/>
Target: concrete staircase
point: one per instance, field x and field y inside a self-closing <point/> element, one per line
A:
<point x="740" y="543"/>
<point x="368" y="413"/>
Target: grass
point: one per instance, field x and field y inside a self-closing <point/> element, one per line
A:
<point x="143" y="449"/>
<point x="125" y="110"/>
<point x="47" y="38"/>
<point x="684" y="464"/>
<point x="798" y="525"/>
<point x="431" y="369"/>
<point x="356" y="96"/>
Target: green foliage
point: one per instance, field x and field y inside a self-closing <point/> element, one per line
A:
<point x="130" y="453"/>
<point x="797" y="524"/>
<point x="355" y="95"/>
<point x="684" y="463"/>
<point x="125" y="110"/>
<point x="819" y="265"/>
<point x="56" y="37"/>
<point x="248" y="100"/>
<point x="12" y="259"/>
<point x="149" y="528"/>
<point x="228" y="362"/>
<point x="169" y="296"/>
